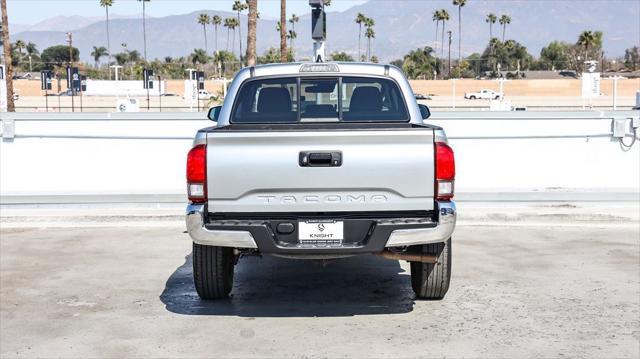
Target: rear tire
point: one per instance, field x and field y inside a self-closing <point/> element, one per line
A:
<point x="431" y="280"/>
<point x="213" y="271"/>
<point x="472" y="97"/>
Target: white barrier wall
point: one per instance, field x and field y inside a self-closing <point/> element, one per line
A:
<point x="134" y="163"/>
<point x="119" y="88"/>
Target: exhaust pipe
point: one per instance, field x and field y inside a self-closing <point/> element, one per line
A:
<point x="409" y="257"/>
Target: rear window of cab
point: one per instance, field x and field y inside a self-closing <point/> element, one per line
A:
<point x="319" y="99"/>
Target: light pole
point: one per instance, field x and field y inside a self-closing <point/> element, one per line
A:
<point x="144" y="36"/>
<point x="70" y="71"/>
<point x="449" y="32"/>
<point x="144" y="27"/>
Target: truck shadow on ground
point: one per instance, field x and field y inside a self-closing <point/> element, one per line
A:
<point x="276" y="287"/>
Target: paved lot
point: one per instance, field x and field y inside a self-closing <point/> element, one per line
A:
<point x="517" y="291"/>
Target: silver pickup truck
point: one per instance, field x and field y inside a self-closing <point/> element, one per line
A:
<point x="321" y="161"/>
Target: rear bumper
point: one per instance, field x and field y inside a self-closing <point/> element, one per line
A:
<point x="259" y="234"/>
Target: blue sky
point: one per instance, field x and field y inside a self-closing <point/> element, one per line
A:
<point x="32" y="11"/>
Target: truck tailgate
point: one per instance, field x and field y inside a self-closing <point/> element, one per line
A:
<point x="260" y="171"/>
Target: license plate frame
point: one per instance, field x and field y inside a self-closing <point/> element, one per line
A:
<point x="321" y="232"/>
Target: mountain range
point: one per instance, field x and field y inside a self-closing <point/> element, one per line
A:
<point x="401" y="25"/>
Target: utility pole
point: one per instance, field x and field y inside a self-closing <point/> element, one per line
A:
<point x="449" y="32"/>
<point x="144" y="36"/>
<point x="70" y="71"/>
<point x="8" y="68"/>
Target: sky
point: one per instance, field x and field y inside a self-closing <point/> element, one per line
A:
<point x="29" y="12"/>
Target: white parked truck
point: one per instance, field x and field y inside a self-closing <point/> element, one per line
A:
<point x="321" y="161"/>
<point x="483" y="95"/>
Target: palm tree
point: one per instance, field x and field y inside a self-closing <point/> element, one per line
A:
<point x="199" y="56"/>
<point x="436" y="17"/>
<point x="234" y="25"/>
<point x="239" y="6"/>
<point x="97" y="53"/>
<point x="204" y="20"/>
<point x="252" y="32"/>
<point x="360" y="20"/>
<point x="283" y="31"/>
<point x="291" y="35"/>
<point x="20" y="45"/>
<point x="459" y="4"/>
<point x="444" y="17"/>
<point x="504" y="21"/>
<point x="216" y="21"/>
<point x="122" y="58"/>
<point x="7" y="56"/>
<point x="293" y="20"/>
<point x="32" y="50"/>
<point x="369" y="34"/>
<point x="491" y="19"/>
<point x="106" y="4"/>
<point x="589" y="39"/>
<point x="228" y="23"/>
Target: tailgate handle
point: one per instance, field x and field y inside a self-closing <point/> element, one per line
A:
<point x="320" y="159"/>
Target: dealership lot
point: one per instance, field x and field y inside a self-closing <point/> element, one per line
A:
<point x="125" y="289"/>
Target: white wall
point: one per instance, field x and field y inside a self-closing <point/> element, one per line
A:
<point x="118" y="88"/>
<point x="157" y="166"/>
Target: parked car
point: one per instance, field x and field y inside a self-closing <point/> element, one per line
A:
<point x="483" y="94"/>
<point x="204" y="94"/>
<point x="420" y="96"/>
<point x="299" y="167"/>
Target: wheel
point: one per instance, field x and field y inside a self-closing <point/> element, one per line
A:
<point x="213" y="271"/>
<point x="472" y="97"/>
<point x="431" y="280"/>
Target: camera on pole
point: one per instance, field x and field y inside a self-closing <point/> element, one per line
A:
<point x="147" y="78"/>
<point x="318" y="29"/>
<point x="45" y="80"/>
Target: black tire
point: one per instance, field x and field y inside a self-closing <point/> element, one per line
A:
<point x="431" y="280"/>
<point x="213" y="271"/>
<point x="472" y="97"/>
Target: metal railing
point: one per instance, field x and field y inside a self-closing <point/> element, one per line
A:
<point x="9" y="121"/>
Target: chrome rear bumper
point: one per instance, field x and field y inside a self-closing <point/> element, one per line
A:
<point x="447" y="215"/>
<point x="431" y="233"/>
<point x="201" y="235"/>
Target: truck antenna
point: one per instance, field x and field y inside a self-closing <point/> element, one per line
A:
<point x="318" y="29"/>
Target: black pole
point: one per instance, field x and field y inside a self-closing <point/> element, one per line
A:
<point x="46" y="100"/>
<point x="160" y="92"/>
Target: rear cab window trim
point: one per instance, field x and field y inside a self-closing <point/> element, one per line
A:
<point x="339" y="76"/>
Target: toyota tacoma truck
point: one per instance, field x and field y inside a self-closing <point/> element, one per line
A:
<point x="321" y="161"/>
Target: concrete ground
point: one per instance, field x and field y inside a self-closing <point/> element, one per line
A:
<point x="522" y="287"/>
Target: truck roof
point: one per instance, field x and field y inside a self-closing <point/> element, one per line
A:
<point x="321" y="68"/>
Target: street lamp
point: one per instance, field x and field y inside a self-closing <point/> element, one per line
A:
<point x="144" y="26"/>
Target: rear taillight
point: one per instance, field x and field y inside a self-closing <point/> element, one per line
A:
<point x="445" y="172"/>
<point x="197" y="174"/>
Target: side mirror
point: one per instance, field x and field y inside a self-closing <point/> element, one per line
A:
<point x="214" y="112"/>
<point x="424" y="111"/>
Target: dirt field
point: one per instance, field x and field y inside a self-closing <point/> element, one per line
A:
<point x="545" y="88"/>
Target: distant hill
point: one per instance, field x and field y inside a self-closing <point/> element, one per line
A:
<point x="401" y="25"/>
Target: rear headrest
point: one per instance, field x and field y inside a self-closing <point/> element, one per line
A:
<point x="274" y="99"/>
<point x="366" y="98"/>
